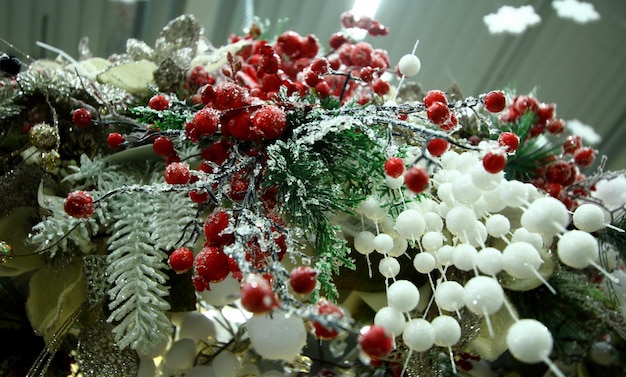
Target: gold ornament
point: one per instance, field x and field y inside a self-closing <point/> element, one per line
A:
<point x="44" y="136"/>
<point x="50" y="160"/>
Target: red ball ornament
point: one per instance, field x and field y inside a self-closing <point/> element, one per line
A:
<point x="508" y="141"/>
<point x="437" y="146"/>
<point x="494" y="161"/>
<point x="181" y="260"/>
<point x="495" y="101"/>
<point x="79" y="204"/>
<point x="81" y="117"/>
<point x="177" y="173"/>
<point x="303" y="279"/>
<point x="212" y="264"/>
<point x="394" y="167"/>
<point x="416" y="179"/>
<point x="325" y="307"/>
<point x="158" y="102"/>
<point x="257" y="295"/>
<point x="114" y="140"/>
<point x="375" y="341"/>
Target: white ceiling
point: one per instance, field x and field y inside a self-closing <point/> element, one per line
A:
<point x="577" y="66"/>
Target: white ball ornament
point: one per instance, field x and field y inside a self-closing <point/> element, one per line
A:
<point x="181" y="354"/>
<point x="403" y="295"/>
<point x="489" y="261"/>
<point x="432" y="241"/>
<point x="522" y="234"/>
<point x="589" y="218"/>
<point x="389" y="267"/>
<point x="410" y="224"/>
<point x="547" y="216"/>
<point x="447" y="330"/>
<point x="434" y="222"/>
<point x="400" y="246"/>
<point x="464" y="256"/>
<point x="485" y="180"/>
<point x="197" y="326"/>
<point x="444" y="255"/>
<point x="449" y="296"/>
<point x="513" y="193"/>
<point x="226" y="364"/>
<point x="521" y="260"/>
<point x="409" y="65"/>
<point x="222" y="293"/>
<point x="483" y="295"/>
<point x="497" y="225"/>
<point x="383" y="243"/>
<point x="449" y="160"/>
<point x="444" y="192"/>
<point x="577" y="249"/>
<point x="279" y="337"/>
<point x="394" y="183"/>
<point x="466" y="162"/>
<point x="372" y="209"/>
<point x="461" y="219"/>
<point x="464" y="190"/>
<point x="424" y="262"/>
<point x="390" y="318"/>
<point x="529" y="341"/>
<point x="364" y="242"/>
<point x="493" y="201"/>
<point x="418" y="335"/>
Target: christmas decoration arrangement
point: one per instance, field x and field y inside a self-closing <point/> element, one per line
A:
<point x="285" y="206"/>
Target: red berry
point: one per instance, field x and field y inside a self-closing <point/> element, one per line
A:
<point x="584" y="156"/>
<point x="172" y="158"/>
<point x="217" y="151"/>
<point x="523" y="103"/>
<point x="270" y="122"/>
<point x="320" y="65"/>
<point x="555" y="126"/>
<point x="336" y="40"/>
<point x="214" y="226"/>
<point x="361" y="54"/>
<point x="380" y="86"/>
<point x="163" y="146"/>
<point x="177" y="173"/>
<point x="509" y="141"/>
<point x="449" y="124"/>
<point x="303" y="279"/>
<point x="495" y="101"/>
<point x="572" y="143"/>
<point x="437" y="146"/>
<point x="257" y="295"/>
<point x="367" y="74"/>
<point x="438" y="113"/>
<point x="375" y="341"/>
<point x="394" y="167"/>
<point x="114" y="139"/>
<point x="81" y="117"/>
<point x="416" y="179"/>
<point x="494" y="161"/>
<point x="558" y="172"/>
<point x="309" y="46"/>
<point x="433" y="96"/>
<point x="229" y="95"/>
<point x="545" y="112"/>
<point x="181" y="260"/>
<point x="289" y="42"/>
<point x="158" y="102"/>
<point x="212" y="264"/>
<point x="325" y="307"/>
<point x="206" y="121"/>
<point x="79" y="204"/>
<point x="198" y="196"/>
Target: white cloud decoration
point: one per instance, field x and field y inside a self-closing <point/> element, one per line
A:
<point x="586" y="132"/>
<point x="577" y="11"/>
<point x="512" y="20"/>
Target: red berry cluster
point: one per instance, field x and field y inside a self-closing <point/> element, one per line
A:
<point x="416" y="178"/>
<point x="212" y="265"/>
<point x="438" y="112"/>
<point x="373" y="27"/>
<point x="544" y="113"/>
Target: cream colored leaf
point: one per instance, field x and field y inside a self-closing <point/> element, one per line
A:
<point x="134" y="77"/>
<point x="13" y="231"/>
<point x="219" y="57"/>
<point x="55" y="293"/>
